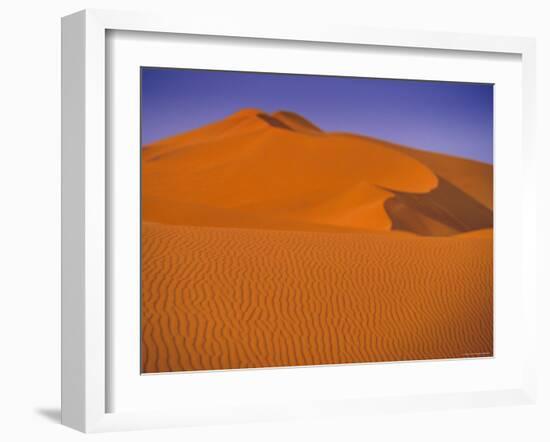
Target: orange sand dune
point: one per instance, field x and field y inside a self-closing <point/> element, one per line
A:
<point x="218" y="298"/>
<point x="269" y="242"/>
<point x="282" y="167"/>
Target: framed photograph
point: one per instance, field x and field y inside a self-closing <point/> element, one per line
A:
<point x="264" y="222"/>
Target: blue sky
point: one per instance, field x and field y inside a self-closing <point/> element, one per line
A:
<point x="446" y="117"/>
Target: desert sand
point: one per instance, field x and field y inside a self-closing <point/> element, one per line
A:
<point x="268" y="242"/>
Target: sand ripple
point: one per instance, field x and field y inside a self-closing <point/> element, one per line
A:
<point x="219" y="298"/>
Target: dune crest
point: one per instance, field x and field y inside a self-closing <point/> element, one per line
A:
<point x="296" y="122"/>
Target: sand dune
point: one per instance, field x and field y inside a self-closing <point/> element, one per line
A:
<point x="269" y="242"/>
<point x="216" y="298"/>
<point x="281" y="167"/>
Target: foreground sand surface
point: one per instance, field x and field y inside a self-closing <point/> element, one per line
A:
<point x="219" y="298"/>
<point x="267" y="242"/>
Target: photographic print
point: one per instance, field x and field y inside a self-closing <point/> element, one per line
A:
<point x="300" y="220"/>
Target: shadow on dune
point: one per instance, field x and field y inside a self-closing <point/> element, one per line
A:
<point x="446" y="210"/>
<point x="272" y="121"/>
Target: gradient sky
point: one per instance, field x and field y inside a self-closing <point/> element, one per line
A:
<point x="452" y="118"/>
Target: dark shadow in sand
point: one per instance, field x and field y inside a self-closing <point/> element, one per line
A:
<point x="448" y="207"/>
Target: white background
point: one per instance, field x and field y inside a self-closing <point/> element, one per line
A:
<point x="254" y="390"/>
<point x="30" y="218"/>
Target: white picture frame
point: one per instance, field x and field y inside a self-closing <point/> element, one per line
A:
<point x="86" y="316"/>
